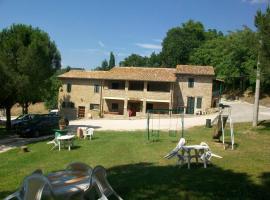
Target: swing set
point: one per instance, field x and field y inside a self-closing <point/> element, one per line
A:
<point x="174" y="126"/>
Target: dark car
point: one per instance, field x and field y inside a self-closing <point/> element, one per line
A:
<point x="40" y="125"/>
<point x="22" y="119"/>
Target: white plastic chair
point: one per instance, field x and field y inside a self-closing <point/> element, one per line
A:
<point x="178" y="147"/>
<point x="32" y="188"/>
<point x="88" y="132"/>
<point x="207" y="154"/>
<point x="102" y="185"/>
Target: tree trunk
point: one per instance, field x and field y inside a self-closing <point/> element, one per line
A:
<point x="26" y="108"/>
<point x="257" y="95"/>
<point x="8" y="117"/>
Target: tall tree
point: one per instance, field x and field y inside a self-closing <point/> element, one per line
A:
<point x="111" y="61"/>
<point x="104" y="65"/>
<point x="180" y="42"/>
<point x="50" y="94"/>
<point x="262" y="23"/>
<point x="233" y="56"/>
<point x="134" y="60"/>
<point x="31" y="58"/>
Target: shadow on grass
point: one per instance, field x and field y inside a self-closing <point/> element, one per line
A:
<point x="264" y="125"/>
<point x="147" y="181"/>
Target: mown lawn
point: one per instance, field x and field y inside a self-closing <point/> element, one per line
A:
<point x="137" y="169"/>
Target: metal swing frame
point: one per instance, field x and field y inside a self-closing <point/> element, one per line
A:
<point x="153" y="134"/>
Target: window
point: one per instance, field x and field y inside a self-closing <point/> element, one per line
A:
<point x="149" y="106"/>
<point x="66" y="104"/>
<point x="69" y="87"/>
<point x="191" y="82"/>
<point x="115" y="85"/>
<point x="94" y="106"/>
<point x="158" y="87"/>
<point x="136" y="85"/>
<point x="199" y="102"/>
<point x="114" y="106"/>
<point x="96" y="88"/>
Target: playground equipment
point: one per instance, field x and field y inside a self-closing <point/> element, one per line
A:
<point x="176" y="121"/>
<point x="220" y="123"/>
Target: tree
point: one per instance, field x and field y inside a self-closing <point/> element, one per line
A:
<point x="50" y="94"/>
<point x="180" y="42"/>
<point x="111" y="61"/>
<point x="233" y="56"/>
<point x="104" y="65"/>
<point x="154" y="60"/>
<point x="262" y="23"/>
<point x="134" y="60"/>
<point x="29" y="58"/>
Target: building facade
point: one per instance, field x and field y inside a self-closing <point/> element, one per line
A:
<point x="131" y="91"/>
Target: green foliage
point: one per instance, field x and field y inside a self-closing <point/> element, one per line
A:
<point x="262" y="22"/>
<point x="50" y="94"/>
<point x="111" y="61"/>
<point x="29" y="58"/>
<point x="234" y="57"/>
<point x="134" y="60"/>
<point x="180" y="42"/>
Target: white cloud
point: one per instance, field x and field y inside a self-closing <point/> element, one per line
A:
<point x="256" y="1"/>
<point x="157" y="40"/>
<point x="91" y="51"/>
<point x="122" y="54"/>
<point x="149" y="46"/>
<point x="101" y="44"/>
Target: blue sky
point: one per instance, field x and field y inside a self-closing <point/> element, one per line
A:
<point x="86" y="31"/>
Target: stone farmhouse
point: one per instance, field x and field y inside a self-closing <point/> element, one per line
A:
<point x="131" y="91"/>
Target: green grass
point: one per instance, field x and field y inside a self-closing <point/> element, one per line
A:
<point x="137" y="169"/>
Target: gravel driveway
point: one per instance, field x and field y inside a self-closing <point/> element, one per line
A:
<point x="241" y="112"/>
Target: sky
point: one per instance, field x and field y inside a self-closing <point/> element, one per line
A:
<point x="86" y="31"/>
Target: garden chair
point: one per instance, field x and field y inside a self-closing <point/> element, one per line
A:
<point x="207" y="154"/>
<point x="79" y="166"/>
<point x="32" y="188"/>
<point x="55" y="142"/>
<point x="88" y="132"/>
<point x="101" y="184"/>
<point x="175" y="151"/>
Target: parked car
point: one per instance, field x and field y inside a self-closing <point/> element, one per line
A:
<point x="54" y="112"/>
<point x="22" y="119"/>
<point x="40" y="125"/>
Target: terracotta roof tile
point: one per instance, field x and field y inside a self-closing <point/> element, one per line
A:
<point x="82" y="74"/>
<point x="142" y="74"/>
<point x="126" y="73"/>
<point x="195" y="70"/>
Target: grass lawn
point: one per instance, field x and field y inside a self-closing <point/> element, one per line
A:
<point x="137" y="169"/>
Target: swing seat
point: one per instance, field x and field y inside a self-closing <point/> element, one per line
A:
<point x="172" y="133"/>
<point x="155" y="135"/>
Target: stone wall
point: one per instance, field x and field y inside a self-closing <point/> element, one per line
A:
<point x="82" y="94"/>
<point x="202" y="88"/>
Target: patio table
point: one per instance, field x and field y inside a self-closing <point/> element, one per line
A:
<point x="67" y="182"/>
<point x="198" y="151"/>
<point x="66" y="139"/>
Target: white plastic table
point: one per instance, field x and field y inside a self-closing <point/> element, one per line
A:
<point x="198" y="150"/>
<point x="66" y="139"/>
<point x="68" y="182"/>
